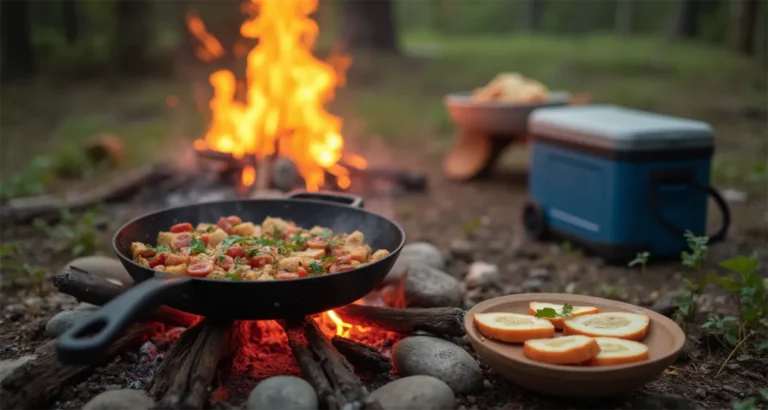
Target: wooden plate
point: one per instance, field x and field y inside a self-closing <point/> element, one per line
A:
<point x="665" y="340"/>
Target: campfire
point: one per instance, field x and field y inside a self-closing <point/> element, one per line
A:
<point x="330" y="350"/>
<point x="279" y="109"/>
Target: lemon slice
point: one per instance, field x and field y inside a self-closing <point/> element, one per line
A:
<point x="512" y="327"/>
<point x="558" y="321"/>
<point x="618" y="351"/>
<point x="623" y="325"/>
<point x="562" y="350"/>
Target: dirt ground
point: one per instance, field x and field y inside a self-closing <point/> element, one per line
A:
<point x="487" y="215"/>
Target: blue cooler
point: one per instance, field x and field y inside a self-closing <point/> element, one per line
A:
<point x="618" y="181"/>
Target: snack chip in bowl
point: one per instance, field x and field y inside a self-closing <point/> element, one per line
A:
<point x="512" y="88"/>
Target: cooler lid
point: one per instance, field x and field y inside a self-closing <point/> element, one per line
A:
<point x="618" y="128"/>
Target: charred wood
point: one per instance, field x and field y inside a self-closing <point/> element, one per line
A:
<point x="183" y="378"/>
<point x="37" y="382"/>
<point x="441" y="321"/>
<point x="362" y="356"/>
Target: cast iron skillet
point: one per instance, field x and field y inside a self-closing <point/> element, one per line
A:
<point x="242" y="300"/>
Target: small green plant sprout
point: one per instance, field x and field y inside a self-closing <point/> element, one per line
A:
<point x="747" y="288"/>
<point x="641" y="259"/>
<point x="751" y="402"/>
<point x="697" y="246"/>
<point x="75" y="233"/>
<point x="19" y="272"/>
<point x="552" y="313"/>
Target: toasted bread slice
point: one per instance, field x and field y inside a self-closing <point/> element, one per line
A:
<point x="623" y="325"/>
<point x="618" y="351"/>
<point x="512" y="327"/>
<point x="562" y="350"/>
<point x="558" y="321"/>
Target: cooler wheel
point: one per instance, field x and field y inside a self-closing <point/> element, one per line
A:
<point x="533" y="221"/>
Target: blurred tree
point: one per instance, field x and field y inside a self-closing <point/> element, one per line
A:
<point x="133" y="35"/>
<point x="742" y="26"/>
<point x="686" y="22"/>
<point x="532" y="12"/>
<point x="625" y="16"/>
<point x="18" y="58"/>
<point x="369" y="24"/>
<point x="69" y="20"/>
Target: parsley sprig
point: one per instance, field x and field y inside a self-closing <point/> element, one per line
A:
<point x="552" y="313"/>
<point x="197" y="245"/>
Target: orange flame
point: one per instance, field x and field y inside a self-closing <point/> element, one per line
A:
<point x="248" y="177"/>
<point x="282" y="111"/>
<point x="210" y="49"/>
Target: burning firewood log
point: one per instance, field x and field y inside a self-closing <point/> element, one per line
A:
<point x="362" y="356"/>
<point x="441" y="321"/>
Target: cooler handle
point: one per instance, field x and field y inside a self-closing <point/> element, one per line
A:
<point x="686" y="177"/>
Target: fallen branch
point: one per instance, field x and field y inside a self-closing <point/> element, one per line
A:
<point x="441" y="321"/>
<point x="98" y="291"/>
<point x="49" y="207"/>
<point x="362" y="356"/>
<point x="36" y="383"/>
<point x="183" y="378"/>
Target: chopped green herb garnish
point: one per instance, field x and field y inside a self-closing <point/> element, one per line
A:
<point x="552" y="313"/>
<point x="230" y="240"/>
<point x="299" y="240"/>
<point x="315" y="268"/>
<point x="328" y="259"/>
<point x="282" y="251"/>
<point x="277" y="233"/>
<point x="233" y="276"/>
<point x="197" y="245"/>
<point x="210" y="229"/>
<point x="159" y="248"/>
<point x="220" y="257"/>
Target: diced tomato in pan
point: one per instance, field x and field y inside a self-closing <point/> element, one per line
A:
<point x="182" y="227"/>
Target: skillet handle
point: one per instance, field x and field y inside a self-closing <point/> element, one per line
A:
<point x="87" y="340"/>
<point x="353" y="201"/>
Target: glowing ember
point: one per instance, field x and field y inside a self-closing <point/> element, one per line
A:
<point x="282" y="109"/>
<point x="248" y="177"/>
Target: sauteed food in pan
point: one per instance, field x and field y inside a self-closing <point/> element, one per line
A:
<point x="232" y="249"/>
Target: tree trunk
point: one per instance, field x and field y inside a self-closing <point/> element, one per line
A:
<point x="69" y="20"/>
<point x="625" y="13"/>
<point x="532" y="12"/>
<point x="18" y="58"/>
<point x="686" y="23"/>
<point x="369" y="24"/>
<point x="132" y="36"/>
<point x="761" y="40"/>
<point x="741" y="27"/>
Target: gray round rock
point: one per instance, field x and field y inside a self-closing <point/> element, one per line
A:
<point x="63" y="321"/>
<point x="104" y="267"/>
<point x="123" y="399"/>
<point x="282" y="392"/>
<point x="425" y="252"/>
<point x="425" y="286"/>
<point x="430" y="356"/>
<point x="415" y="392"/>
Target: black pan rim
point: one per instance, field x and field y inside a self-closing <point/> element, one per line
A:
<point x="256" y="201"/>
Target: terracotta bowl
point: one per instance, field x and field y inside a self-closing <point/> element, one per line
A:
<point x="665" y="340"/>
<point x="493" y="117"/>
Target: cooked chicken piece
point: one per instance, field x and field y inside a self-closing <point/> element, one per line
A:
<point x="270" y="225"/>
<point x="311" y="253"/>
<point x="355" y="238"/>
<point x="380" y="254"/>
<point x="358" y="253"/>
<point x="165" y="238"/>
<point x="161" y="268"/>
<point x="289" y="264"/>
<point x="245" y="229"/>
<point x="215" y="237"/>
<point x="141" y="261"/>
<point x="203" y="227"/>
<point x="176" y="270"/>
<point x="138" y="248"/>
<point x="317" y="230"/>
